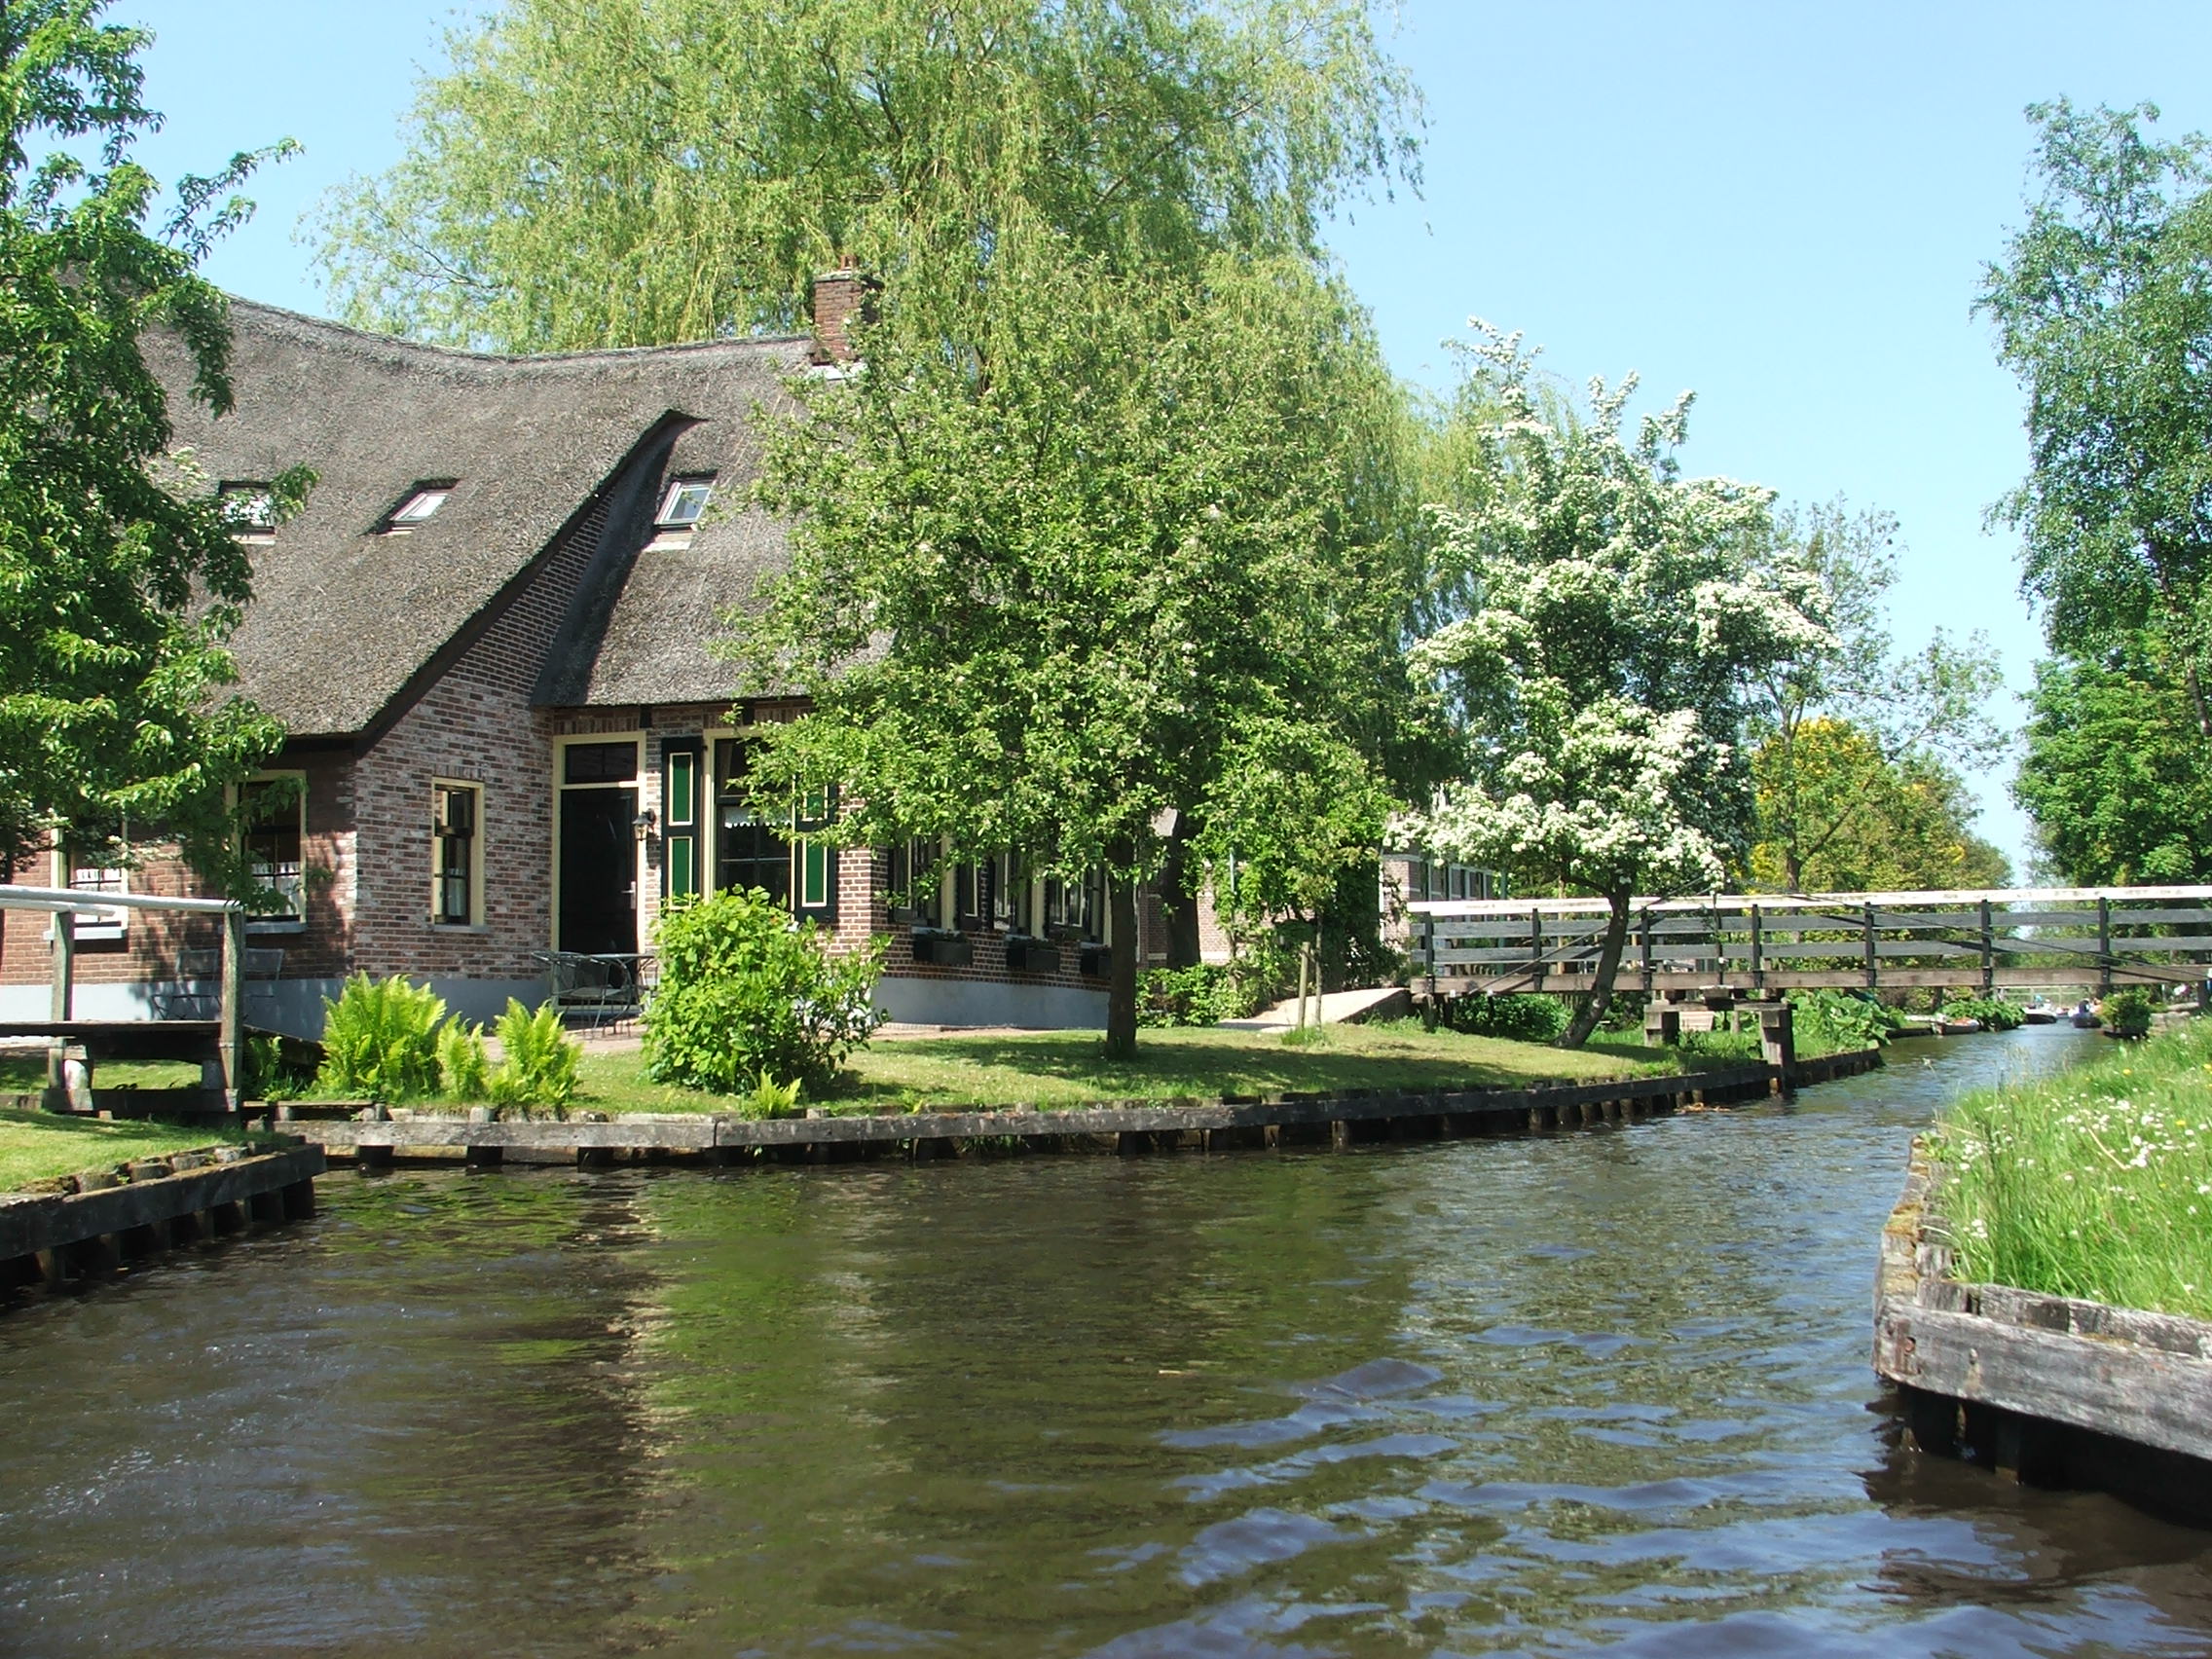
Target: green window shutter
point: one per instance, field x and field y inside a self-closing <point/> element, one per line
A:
<point x="679" y="822"/>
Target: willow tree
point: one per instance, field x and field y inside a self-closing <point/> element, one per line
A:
<point x="1096" y="578"/>
<point x="120" y="577"/>
<point x="1615" y="618"/>
<point x="621" y="172"/>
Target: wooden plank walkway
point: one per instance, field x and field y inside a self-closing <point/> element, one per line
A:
<point x="1126" y="1127"/>
<point x="1978" y="939"/>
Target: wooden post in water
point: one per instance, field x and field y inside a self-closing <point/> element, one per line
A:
<point x="1778" y="1041"/>
<point x="230" y="1038"/>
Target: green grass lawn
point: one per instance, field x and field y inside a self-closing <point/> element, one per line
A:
<point x="35" y="1146"/>
<point x="25" y="1074"/>
<point x="1065" y="1068"/>
<point x="2095" y="1183"/>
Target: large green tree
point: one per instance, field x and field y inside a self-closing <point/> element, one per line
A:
<point x="119" y="574"/>
<point x="1887" y="821"/>
<point x="2117" y="777"/>
<point x="618" y="172"/>
<point x="1090" y="581"/>
<point x="1910" y="717"/>
<point x="2103" y="308"/>
<point x="1614" y="620"/>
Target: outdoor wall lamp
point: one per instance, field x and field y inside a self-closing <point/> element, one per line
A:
<point x="642" y="823"/>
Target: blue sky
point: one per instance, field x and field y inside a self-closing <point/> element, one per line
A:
<point x="1784" y="207"/>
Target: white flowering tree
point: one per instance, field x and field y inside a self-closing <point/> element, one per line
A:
<point x="1608" y="620"/>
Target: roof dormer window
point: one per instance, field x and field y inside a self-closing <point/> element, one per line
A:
<point x="248" y="508"/>
<point x="418" y="506"/>
<point x="685" y="502"/>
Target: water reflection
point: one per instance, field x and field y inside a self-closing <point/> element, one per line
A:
<point x="1596" y="1391"/>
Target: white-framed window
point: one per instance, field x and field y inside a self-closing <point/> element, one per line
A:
<point x="274" y="810"/>
<point x="249" y="507"/>
<point x="456" y="854"/>
<point x="87" y="869"/>
<point x="419" y="505"/>
<point x="685" y="502"/>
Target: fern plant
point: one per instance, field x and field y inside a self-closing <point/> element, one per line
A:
<point x="768" y="1098"/>
<point x="466" y="1068"/>
<point x="540" y="1064"/>
<point x="379" y="1040"/>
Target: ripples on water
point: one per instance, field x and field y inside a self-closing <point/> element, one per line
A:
<point x="1598" y="1390"/>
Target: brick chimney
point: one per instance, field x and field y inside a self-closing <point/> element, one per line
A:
<point x="840" y="298"/>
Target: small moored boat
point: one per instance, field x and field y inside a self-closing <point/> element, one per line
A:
<point x="2085" y="1017"/>
<point x="2039" y="1013"/>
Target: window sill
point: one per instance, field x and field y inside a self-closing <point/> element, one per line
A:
<point x="276" y="925"/>
<point x="439" y="927"/>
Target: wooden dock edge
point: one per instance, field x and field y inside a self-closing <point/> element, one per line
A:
<point x="374" y="1136"/>
<point x="2049" y="1389"/>
<point x="49" y="1238"/>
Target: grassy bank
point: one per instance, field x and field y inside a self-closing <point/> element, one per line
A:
<point x="2097" y="1183"/>
<point x="38" y="1146"/>
<point x="1065" y="1068"/>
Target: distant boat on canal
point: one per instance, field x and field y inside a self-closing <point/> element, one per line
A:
<point x="2085" y="1017"/>
<point x="2039" y="1013"/>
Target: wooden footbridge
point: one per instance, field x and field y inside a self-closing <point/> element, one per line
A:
<point x="2098" y="938"/>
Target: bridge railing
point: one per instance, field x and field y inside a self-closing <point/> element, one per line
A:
<point x="1982" y="938"/>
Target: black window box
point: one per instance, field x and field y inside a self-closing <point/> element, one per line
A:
<point x="943" y="949"/>
<point x="905" y="914"/>
<point x="1063" y="933"/>
<point x="1031" y="956"/>
<point x="1097" y="961"/>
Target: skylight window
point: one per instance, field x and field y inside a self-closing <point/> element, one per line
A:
<point x="250" y="510"/>
<point x="686" y="503"/>
<point x="418" y="506"/>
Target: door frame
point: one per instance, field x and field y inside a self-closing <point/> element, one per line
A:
<point x="560" y="747"/>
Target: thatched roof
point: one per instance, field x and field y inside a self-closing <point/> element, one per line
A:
<point x="345" y="617"/>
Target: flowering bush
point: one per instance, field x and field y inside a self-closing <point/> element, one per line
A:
<point x="2097" y="1183"/>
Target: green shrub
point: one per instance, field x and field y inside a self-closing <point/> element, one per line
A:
<point x="743" y="991"/>
<point x="2127" y="1014"/>
<point x="1738" y="1047"/>
<point x="1205" y="995"/>
<point x="538" y="1067"/>
<point x="379" y="1040"/>
<point x="1829" y="1023"/>
<point x="1522" y="1018"/>
<point x="278" y="1068"/>
<point x="1994" y="1013"/>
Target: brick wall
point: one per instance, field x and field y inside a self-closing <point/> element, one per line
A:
<point x="318" y="948"/>
<point x="475" y="724"/>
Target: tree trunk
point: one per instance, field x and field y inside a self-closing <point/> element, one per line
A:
<point x="1601" y="996"/>
<point x="1178" y="906"/>
<point x="1122" y="967"/>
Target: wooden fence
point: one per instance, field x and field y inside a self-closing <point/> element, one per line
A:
<point x="2094" y="938"/>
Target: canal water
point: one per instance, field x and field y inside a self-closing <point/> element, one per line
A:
<point x="1598" y="1390"/>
